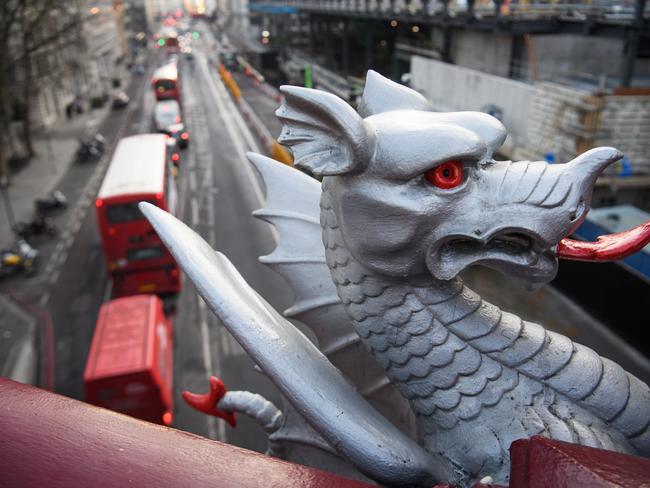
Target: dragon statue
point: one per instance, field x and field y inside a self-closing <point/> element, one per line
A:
<point x="414" y="379"/>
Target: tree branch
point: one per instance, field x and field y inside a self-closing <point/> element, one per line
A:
<point x="27" y="51"/>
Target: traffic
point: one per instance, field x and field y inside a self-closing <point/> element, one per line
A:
<point x="111" y="317"/>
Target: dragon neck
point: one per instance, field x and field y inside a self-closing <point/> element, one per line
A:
<point x="418" y="329"/>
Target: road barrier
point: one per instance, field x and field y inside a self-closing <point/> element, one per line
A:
<point x="272" y="146"/>
<point x="229" y="82"/>
<point x="259" y="81"/>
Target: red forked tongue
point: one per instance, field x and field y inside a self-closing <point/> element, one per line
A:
<point x="610" y="247"/>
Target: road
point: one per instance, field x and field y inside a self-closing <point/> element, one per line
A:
<point x="219" y="189"/>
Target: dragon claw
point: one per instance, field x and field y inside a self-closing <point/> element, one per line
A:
<point x="207" y="402"/>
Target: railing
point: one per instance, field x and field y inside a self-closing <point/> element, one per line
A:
<point x="523" y="9"/>
<point x="49" y="440"/>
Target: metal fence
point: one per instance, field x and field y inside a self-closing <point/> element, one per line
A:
<point x="603" y="9"/>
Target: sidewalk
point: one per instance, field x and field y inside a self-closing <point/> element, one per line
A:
<point x="55" y="149"/>
<point x="18" y="342"/>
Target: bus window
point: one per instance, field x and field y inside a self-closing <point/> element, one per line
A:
<point x="145" y="253"/>
<point x="119" y="213"/>
<point x="165" y="85"/>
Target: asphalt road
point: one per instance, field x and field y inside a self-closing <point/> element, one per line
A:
<point x="218" y="191"/>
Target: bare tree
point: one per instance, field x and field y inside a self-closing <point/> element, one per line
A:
<point x="27" y="28"/>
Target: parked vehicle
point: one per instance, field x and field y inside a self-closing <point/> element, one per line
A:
<point x="91" y="147"/>
<point x="56" y="200"/>
<point x="39" y="226"/>
<point x="120" y="100"/>
<point x="136" y="258"/>
<point x="129" y="367"/>
<point x="22" y="258"/>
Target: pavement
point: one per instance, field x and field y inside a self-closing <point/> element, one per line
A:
<point x="18" y="340"/>
<point x="26" y="335"/>
<point x="55" y="149"/>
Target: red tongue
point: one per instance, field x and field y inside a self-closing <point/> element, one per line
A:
<point x="610" y="247"/>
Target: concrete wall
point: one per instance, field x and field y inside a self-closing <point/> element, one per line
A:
<point x="543" y="118"/>
<point x="483" y="51"/>
<point x="565" y="56"/>
<point x="449" y="88"/>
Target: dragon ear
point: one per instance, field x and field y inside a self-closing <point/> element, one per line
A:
<point x="326" y="135"/>
<point x="383" y="95"/>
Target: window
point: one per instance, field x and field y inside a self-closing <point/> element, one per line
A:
<point x="121" y="213"/>
<point x="165" y="85"/>
<point x="144" y="253"/>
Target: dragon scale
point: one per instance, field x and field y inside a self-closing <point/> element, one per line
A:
<point x="472" y="361"/>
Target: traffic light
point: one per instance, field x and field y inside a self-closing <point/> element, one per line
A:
<point x="195" y="35"/>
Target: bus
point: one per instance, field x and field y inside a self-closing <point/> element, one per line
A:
<point x="167" y="38"/>
<point x="165" y="82"/>
<point x="129" y="367"/>
<point x="141" y="170"/>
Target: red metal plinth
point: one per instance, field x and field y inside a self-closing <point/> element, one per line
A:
<point x="539" y="462"/>
<point x="54" y="441"/>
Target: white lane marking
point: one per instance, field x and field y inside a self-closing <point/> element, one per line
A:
<point x="192" y="181"/>
<point x="54" y="277"/>
<point x="213" y="82"/>
<point x="207" y="364"/>
<point x="45" y="297"/>
<point x="194" y="204"/>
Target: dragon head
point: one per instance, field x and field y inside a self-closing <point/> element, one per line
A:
<point x="417" y="192"/>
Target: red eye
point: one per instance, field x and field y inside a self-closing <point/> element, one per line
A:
<point x="446" y="175"/>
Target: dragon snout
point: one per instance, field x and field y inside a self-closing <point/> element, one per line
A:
<point x="582" y="172"/>
<point x="589" y="165"/>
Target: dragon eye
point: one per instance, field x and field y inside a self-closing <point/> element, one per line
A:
<point x="446" y="175"/>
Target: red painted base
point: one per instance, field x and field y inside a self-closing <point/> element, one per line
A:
<point x="539" y="462"/>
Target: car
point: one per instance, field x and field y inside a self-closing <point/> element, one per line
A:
<point x="178" y="132"/>
<point x="167" y="119"/>
<point x="120" y="100"/>
<point x="166" y="113"/>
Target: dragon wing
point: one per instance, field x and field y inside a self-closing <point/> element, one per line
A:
<point x="319" y="392"/>
<point x="293" y="207"/>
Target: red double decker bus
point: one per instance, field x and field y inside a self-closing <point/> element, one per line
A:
<point x="129" y="367"/>
<point x="141" y="170"/>
<point x="165" y="82"/>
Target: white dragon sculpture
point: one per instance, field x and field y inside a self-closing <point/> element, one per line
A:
<point x="409" y="198"/>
